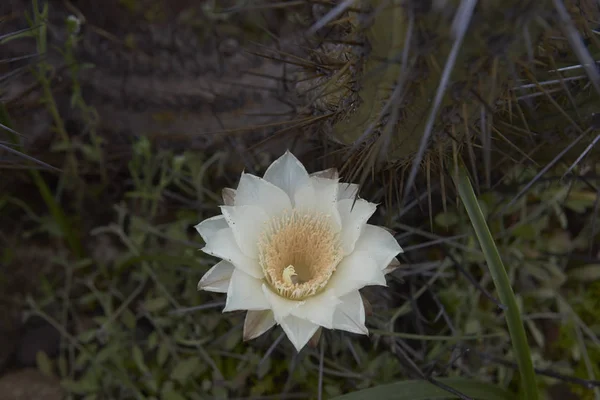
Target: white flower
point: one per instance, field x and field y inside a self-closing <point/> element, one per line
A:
<point x="295" y="249"/>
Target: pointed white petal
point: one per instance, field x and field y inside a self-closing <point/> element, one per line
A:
<point x="281" y="306"/>
<point x="305" y="197"/>
<point x="318" y="309"/>
<point x="354" y="272"/>
<point x="245" y="293"/>
<point x="247" y="223"/>
<point x="209" y="227"/>
<point x="257" y="323"/>
<point x="350" y="314"/>
<point x="228" y="195"/>
<point x="217" y="278"/>
<point x="223" y="245"/>
<point x="288" y="173"/>
<point x="326" y="193"/>
<point x="255" y="191"/>
<point x="347" y="191"/>
<point x="319" y="195"/>
<point x="330" y="173"/>
<point x="379" y="243"/>
<point x="354" y="217"/>
<point x="298" y="330"/>
<point x="392" y="266"/>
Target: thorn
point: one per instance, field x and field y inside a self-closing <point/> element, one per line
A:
<point x="330" y="16"/>
<point x="460" y="24"/>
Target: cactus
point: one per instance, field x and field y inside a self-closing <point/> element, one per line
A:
<point x="383" y="63"/>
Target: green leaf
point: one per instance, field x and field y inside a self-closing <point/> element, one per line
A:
<point x="502" y="283"/>
<point x="163" y="353"/>
<point x="446" y="219"/>
<point x="526" y="231"/>
<point x="87" y="336"/>
<point x="157" y="304"/>
<point x="138" y="358"/>
<point x="152" y="340"/>
<point x="43" y="363"/>
<point x="111" y="351"/>
<point x="580" y="201"/>
<point x="586" y="273"/>
<point x="185" y="369"/>
<point x="172" y="395"/>
<point x="128" y="319"/>
<point x="63" y="367"/>
<point x="151" y="384"/>
<point x="87" y="384"/>
<point x="424" y="390"/>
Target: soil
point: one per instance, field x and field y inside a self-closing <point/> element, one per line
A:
<point x="30" y="384"/>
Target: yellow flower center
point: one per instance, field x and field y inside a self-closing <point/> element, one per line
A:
<point x="298" y="253"/>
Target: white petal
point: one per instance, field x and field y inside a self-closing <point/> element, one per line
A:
<point x="354" y="217"/>
<point x="379" y="243"/>
<point x="347" y="191"/>
<point x="326" y="192"/>
<point x="245" y="293"/>
<point x="257" y="323"/>
<point x="350" y="314"/>
<point x="217" y="278"/>
<point x="246" y="222"/>
<point x="318" y="309"/>
<point x="255" y="191"/>
<point x="355" y="271"/>
<point x="287" y="173"/>
<point x="298" y="330"/>
<point x="319" y="195"/>
<point x="330" y="173"/>
<point x="281" y="306"/>
<point x="228" y="195"/>
<point x="305" y="196"/>
<point x="223" y="245"/>
<point x="209" y="227"/>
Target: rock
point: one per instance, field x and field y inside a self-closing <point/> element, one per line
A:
<point x="30" y="384"/>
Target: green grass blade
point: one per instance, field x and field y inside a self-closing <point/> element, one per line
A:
<point x="502" y="283"/>
<point x="424" y="390"/>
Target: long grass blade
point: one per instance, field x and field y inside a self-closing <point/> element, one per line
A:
<point x="502" y="283"/>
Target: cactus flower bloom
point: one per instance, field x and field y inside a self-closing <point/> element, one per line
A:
<point x="295" y="249"/>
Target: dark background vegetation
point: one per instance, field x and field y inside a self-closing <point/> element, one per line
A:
<point x="122" y="120"/>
